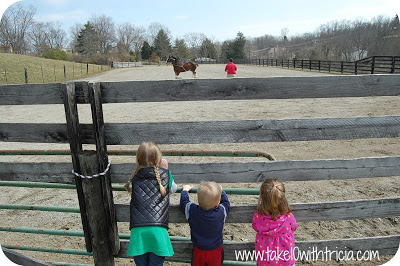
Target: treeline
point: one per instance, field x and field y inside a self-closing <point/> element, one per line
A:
<point x="337" y="40"/>
<point x="101" y="41"/>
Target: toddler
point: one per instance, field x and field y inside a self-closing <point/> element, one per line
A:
<point x="275" y="226"/>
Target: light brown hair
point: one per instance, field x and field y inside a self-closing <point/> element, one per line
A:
<point x="148" y="155"/>
<point x="209" y="194"/>
<point x="272" y="200"/>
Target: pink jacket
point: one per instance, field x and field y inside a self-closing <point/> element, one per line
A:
<point x="275" y="239"/>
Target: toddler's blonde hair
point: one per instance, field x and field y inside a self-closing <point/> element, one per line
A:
<point x="148" y="155"/>
<point x="272" y="200"/>
<point x="209" y="194"/>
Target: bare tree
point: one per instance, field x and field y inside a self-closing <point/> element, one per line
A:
<point x="284" y="33"/>
<point x="74" y="33"/>
<point x="104" y="29"/>
<point x="57" y="36"/>
<point x="130" y="38"/>
<point x="39" y="37"/>
<point x="194" y="41"/>
<point x="45" y="35"/>
<point x="153" y="30"/>
<point x="15" y="24"/>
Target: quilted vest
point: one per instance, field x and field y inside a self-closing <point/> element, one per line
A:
<point x="148" y="207"/>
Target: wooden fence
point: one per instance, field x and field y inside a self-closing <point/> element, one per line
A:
<point x="126" y="64"/>
<point x="49" y="74"/>
<point x="370" y="65"/>
<point x="277" y="130"/>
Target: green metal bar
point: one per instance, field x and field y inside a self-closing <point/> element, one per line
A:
<point x="245" y="263"/>
<point x="42" y="231"/>
<point x="116" y="187"/>
<point x="85" y="253"/>
<point x="50" y="250"/>
<point x="231" y="191"/>
<point x="35" y="152"/>
<point x="68" y="264"/>
<point x="39" y="208"/>
<point x="36" y="184"/>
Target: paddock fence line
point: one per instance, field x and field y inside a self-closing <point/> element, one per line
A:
<point x="49" y="74"/>
<point x="370" y="65"/>
<point x="52" y="174"/>
<point x="126" y="64"/>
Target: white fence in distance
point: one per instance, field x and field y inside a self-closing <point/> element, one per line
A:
<point x="126" y="64"/>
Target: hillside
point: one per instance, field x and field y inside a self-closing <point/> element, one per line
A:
<point x="41" y="70"/>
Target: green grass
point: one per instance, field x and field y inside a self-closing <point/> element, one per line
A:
<point x="41" y="70"/>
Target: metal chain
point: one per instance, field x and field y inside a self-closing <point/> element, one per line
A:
<point x="96" y="175"/>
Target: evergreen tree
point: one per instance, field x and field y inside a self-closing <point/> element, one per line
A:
<point x="162" y="45"/>
<point x="225" y="50"/>
<point x="207" y="49"/>
<point x="237" y="47"/>
<point x="146" y="51"/>
<point x="181" y="50"/>
<point x="86" y="41"/>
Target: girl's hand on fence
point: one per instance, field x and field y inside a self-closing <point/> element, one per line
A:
<point x="187" y="187"/>
<point x="164" y="164"/>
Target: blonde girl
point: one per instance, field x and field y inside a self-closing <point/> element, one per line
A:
<point x="275" y="225"/>
<point x="150" y="186"/>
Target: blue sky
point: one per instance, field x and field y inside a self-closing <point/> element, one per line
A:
<point x="218" y="19"/>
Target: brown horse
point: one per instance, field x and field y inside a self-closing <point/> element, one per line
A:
<point x="181" y="67"/>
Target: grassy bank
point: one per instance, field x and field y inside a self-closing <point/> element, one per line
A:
<point x="41" y="70"/>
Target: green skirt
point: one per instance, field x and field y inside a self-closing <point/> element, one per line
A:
<point x="150" y="239"/>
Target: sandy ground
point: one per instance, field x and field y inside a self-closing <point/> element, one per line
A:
<point x="213" y="110"/>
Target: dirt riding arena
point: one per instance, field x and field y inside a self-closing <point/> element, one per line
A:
<point x="299" y="191"/>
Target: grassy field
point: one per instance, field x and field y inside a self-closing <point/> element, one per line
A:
<point x="41" y="70"/>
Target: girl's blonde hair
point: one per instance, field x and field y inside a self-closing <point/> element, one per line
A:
<point x="272" y="200"/>
<point x="148" y="155"/>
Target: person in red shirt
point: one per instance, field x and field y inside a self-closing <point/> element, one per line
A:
<point x="230" y="69"/>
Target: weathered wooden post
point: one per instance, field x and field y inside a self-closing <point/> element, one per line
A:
<point x="26" y="75"/>
<point x="356" y="68"/>
<point x="392" y="67"/>
<point x="75" y="143"/>
<point x="102" y="158"/>
<point x="373" y="65"/>
<point x="92" y="188"/>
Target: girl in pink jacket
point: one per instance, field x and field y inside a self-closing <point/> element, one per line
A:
<point x="275" y="226"/>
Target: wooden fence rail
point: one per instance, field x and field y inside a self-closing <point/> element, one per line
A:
<point x="224" y="172"/>
<point x="304" y="212"/>
<point x="204" y="90"/>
